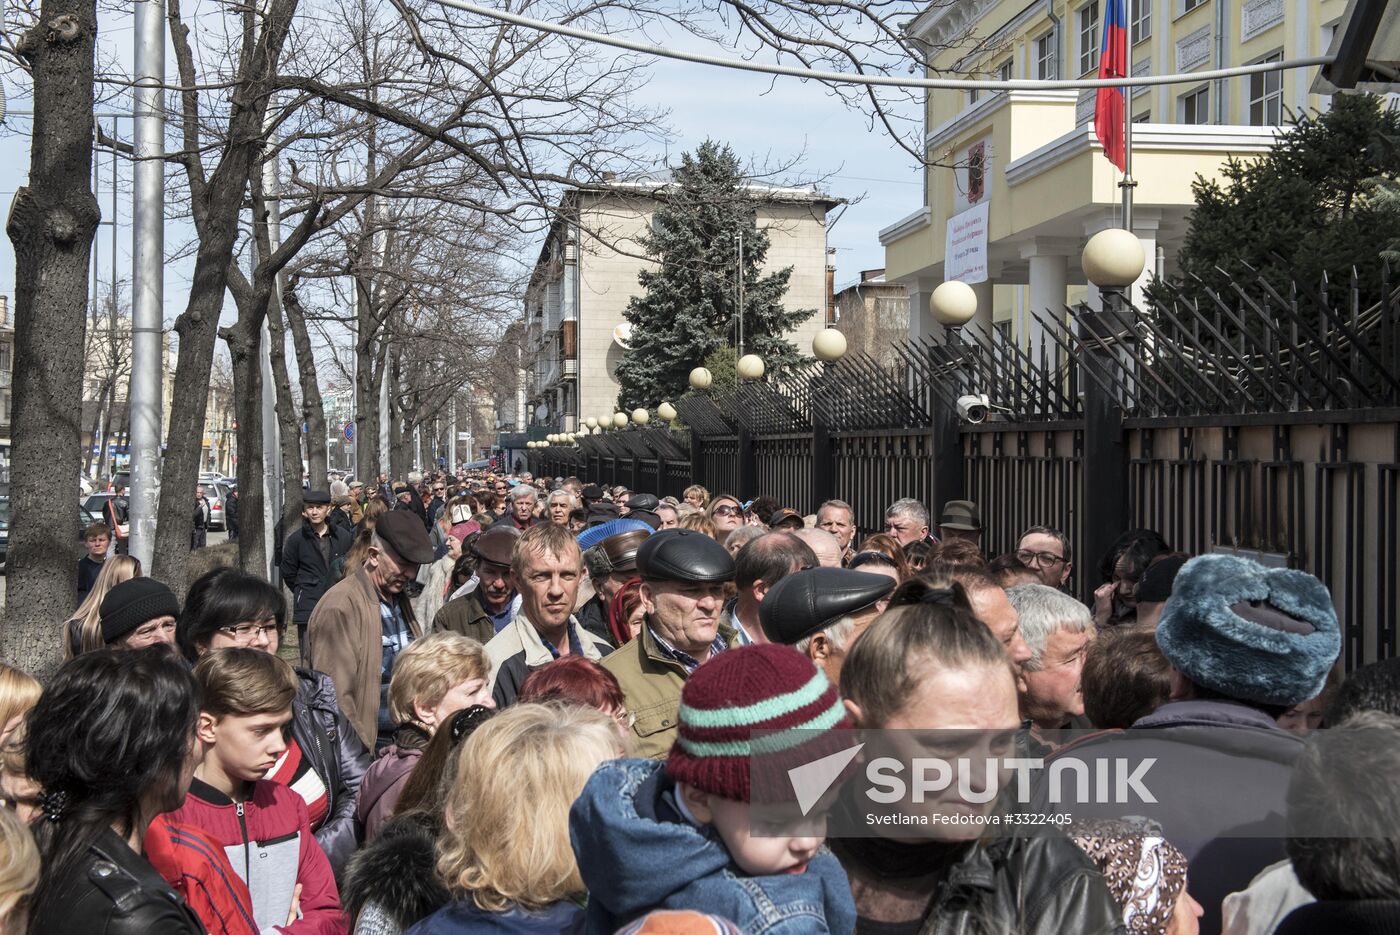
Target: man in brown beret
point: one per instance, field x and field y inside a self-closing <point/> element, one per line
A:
<point x="362" y="623"/>
<point x="485" y="609"/>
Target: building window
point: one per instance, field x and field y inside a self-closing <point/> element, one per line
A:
<point x="1144" y="117"/>
<point x="973" y="94"/>
<point x="1266" y="96"/>
<point x="1195" y="106"/>
<point x="1089" y="38"/>
<point x="1004" y="71"/>
<point x="1188" y="5"/>
<point x="1046" y="68"/>
<point x="5" y="364"/>
<point x="1142" y="19"/>
<point x="1003" y="328"/>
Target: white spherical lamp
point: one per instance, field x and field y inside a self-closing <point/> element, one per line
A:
<point x="700" y="379"/>
<point x="591" y="422"/>
<point x="749" y="367"/>
<point x="619" y="419"/>
<point x="605" y="420"/>
<point x="641" y="416"/>
<point x="1113" y="258"/>
<point x="829" y="345"/>
<point x="953" y="303"/>
<point x="667" y="412"/>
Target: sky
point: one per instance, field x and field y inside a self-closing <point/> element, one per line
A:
<point x="764" y="121"/>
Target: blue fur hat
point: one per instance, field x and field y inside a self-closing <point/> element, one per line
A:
<point x="596" y="534"/>
<point x="1266" y="635"/>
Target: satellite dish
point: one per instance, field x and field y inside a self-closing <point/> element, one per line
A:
<point x="622" y="334"/>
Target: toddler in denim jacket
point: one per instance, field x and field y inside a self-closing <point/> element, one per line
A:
<point x="680" y="834"/>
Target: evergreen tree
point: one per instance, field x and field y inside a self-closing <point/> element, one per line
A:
<point x="689" y="306"/>
<point x="1316" y="202"/>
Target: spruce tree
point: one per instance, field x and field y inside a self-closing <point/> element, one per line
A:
<point x="1314" y="203"/>
<point x="689" y="305"/>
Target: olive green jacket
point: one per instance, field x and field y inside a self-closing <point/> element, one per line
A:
<point x="651" y="684"/>
<point x="466" y="616"/>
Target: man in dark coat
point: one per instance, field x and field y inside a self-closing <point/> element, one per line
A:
<point x="202" y="515"/>
<point x="313" y="558"/>
<point x="231" y="513"/>
<point x="1245" y="643"/>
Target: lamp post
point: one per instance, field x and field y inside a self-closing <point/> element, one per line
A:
<point x="828" y="346"/>
<point x="953" y="304"/>
<point x="701" y="379"/>
<point x="1113" y="260"/>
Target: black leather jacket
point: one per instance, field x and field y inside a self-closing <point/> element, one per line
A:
<point x="114" y="891"/>
<point x="1040" y="885"/>
<point x="336" y="753"/>
<point x="304" y="569"/>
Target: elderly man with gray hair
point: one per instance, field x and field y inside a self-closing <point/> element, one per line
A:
<point x="1057" y="628"/>
<point x="523" y="499"/>
<point x="906" y="521"/>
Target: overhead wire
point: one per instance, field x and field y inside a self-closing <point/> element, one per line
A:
<point x="837" y="77"/>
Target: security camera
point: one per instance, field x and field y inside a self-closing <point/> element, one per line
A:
<point x="973" y="408"/>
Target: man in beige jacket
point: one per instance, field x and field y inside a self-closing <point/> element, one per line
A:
<point x="361" y="624"/>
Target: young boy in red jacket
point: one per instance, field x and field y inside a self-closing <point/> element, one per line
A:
<point x="261" y="825"/>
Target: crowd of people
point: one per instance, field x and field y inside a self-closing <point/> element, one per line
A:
<point x="532" y="705"/>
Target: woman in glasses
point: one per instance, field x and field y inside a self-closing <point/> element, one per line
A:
<point x="727" y="514"/>
<point x="325" y="758"/>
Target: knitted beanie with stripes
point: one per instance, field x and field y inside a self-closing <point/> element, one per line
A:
<point x="761" y="688"/>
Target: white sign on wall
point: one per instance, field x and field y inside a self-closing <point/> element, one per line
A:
<point x="965" y="252"/>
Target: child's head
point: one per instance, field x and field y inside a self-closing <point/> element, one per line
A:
<point x="436" y="677"/>
<point x="97" y="537"/>
<point x="246" y="701"/>
<point x="507" y="818"/>
<point x="740" y="691"/>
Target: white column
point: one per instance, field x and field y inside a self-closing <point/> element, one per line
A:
<point x="1049" y="275"/>
<point x="982" y="321"/>
<point x="921" y="323"/>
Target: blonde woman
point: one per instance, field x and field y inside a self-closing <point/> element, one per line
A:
<point x="19" y="692"/>
<point x="434" y="678"/>
<point x="697" y="496"/>
<point x="82" y="633"/>
<point x="505" y="854"/>
<point x="19" y="871"/>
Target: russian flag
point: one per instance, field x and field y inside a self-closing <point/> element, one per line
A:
<point x="1113" y="63"/>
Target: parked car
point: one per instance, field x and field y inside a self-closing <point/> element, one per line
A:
<point x="85" y="519"/>
<point x="96" y="506"/>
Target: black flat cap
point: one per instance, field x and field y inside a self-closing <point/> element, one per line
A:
<point x="684" y="555"/>
<point x="403" y="532"/>
<point x="650" y="517"/>
<point x="592" y="492"/>
<point x="316" y="497"/>
<point x="643" y="501"/>
<point x="807" y="602"/>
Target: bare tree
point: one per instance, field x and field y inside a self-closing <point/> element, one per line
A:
<point x="52" y="222"/>
<point x="107" y="361"/>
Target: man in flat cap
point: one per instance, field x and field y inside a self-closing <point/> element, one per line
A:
<point x="313" y="559"/>
<point x="960" y="519"/>
<point x="683" y="574"/>
<point x="360" y="625"/>
<point x="820" y="612"/>
<point x="548" y="568"/>
<point x="484" y="610"/>
<point x="611" y="563"/>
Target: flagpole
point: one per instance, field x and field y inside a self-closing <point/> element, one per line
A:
<point x="1128" y="184"/>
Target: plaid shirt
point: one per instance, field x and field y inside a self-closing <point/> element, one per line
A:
<point x="685" y="659"/>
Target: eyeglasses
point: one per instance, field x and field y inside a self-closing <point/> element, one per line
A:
<point x="626" y="718"/>
<point x="726" y="511"/>
<point x="1027" y="557"/>
<point x="439" y="489"/>
<point x="247" y="632"/>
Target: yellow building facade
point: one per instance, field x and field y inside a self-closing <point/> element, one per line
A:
<point x="1018" y="180"/>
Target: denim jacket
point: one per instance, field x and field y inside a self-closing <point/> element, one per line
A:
<point x="627" y="817"/>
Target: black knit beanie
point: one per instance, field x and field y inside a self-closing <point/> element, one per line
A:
<point x="132" y="603"/>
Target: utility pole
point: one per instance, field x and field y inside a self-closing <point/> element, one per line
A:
<point x="1128" y="184"/>
<point x="147" y="278"/>
<point x="741" y="296"/>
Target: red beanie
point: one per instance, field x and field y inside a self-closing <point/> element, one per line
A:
<point x="754" y="688"/>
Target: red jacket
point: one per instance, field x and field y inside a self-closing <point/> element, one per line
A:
<point x="196" y="867"/>
<point x="269" y="843"/>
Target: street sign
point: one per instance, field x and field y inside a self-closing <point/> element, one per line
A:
<point x="349" y="431"/>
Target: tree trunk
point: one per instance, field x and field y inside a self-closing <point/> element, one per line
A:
<point x="197" y="326"/>
<point x="368" y="366"/>
<point x="247" y="410"/>
<point x="93" y="452"/>
<point x="312" y="407"/>
<point x="51" y="224"/>
<point x="288" y="422"/>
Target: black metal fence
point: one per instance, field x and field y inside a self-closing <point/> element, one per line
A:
<point x="1265" y="421"/>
